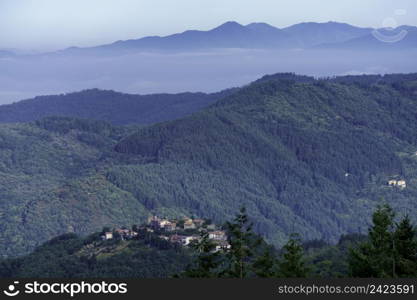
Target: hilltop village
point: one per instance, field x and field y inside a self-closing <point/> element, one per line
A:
<point x="184" y="232"/>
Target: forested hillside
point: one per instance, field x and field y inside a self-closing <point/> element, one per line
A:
<point x="52" y="181"/>
<point x="151" y="251"/>
<point x="303" y="155"/>
<point x="307" y="157"/>
<point x="71" y="256"/>
<point x="116" y="108"/>
<point x="148" y="256"/>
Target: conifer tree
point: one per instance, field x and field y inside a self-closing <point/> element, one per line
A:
<point x="292" y="264"/>
<point x="245" y="257"/>
<point x="376" y="258"/>
<point x="405" y="247"/>
<point x="208" y="260"/>
<point x="242" y="242"/>
<point x="265" y="266"/>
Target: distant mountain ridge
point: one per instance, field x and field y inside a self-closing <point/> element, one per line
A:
<point x="403" y="37"/>
<point x="252" y="36"/>
<point x="228" y="35"/>
<point x="206" y="61"/>
<point x="313" y="34"/>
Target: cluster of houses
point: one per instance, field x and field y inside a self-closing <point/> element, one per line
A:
<point x="173" y="225"/>
<point x="125" y="234"/>
<point x="397" y="183"/>
<point x="183" y="232"/>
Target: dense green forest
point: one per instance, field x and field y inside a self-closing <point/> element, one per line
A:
<point x="389" y="250"/>
<point x="302" y="155"/>
<point x="116" y="108"/>
<point x="70" y="256"/>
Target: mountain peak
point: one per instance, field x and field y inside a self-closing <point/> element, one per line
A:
<point x="334" y="24"/>
<point x="261" y="26"/>
<point x="230" y="25"/>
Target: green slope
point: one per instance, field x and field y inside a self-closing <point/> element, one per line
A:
<point x="116" y="108"/>
<point x="51" y="182"/>
<point x="307" y="157"/>
<point x="304" y="156"/>
<point x="70" y="256"/>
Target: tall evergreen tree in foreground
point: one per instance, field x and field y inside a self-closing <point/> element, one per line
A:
<point x="243" y="243"/>
<point x="388" y="252"/>
<point x="292" y="264"/>
<point x="265" y="265"/>
<point x="208" y="260"/>
<point x="247" y="256"/>
<point x="405" y="247"/>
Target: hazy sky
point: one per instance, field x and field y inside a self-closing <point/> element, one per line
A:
<point x="52" y="24"/>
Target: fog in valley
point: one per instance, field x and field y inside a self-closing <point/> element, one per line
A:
<point x="142" y="72"/>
